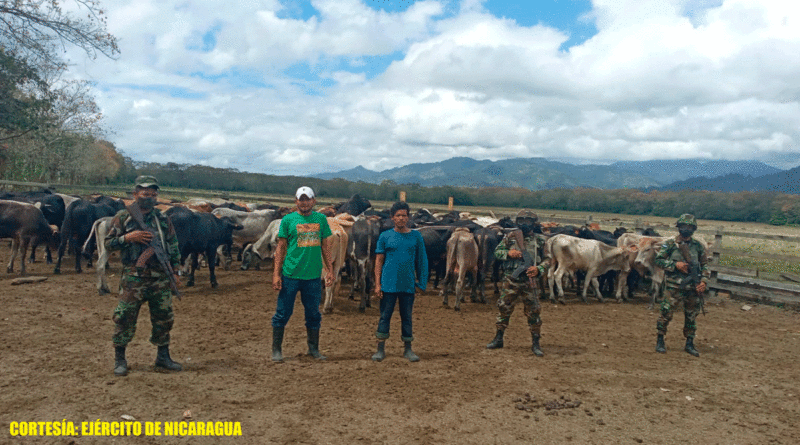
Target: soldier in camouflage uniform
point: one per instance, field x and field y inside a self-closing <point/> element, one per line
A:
<point x="675" y="264"/>
<point x="150" y="283"/>
<point x="509" y="253"/>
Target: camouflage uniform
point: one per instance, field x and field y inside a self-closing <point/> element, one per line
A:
<point x="673" y="295"/>
<point x="137" y="285"/>
<point x="520" y="288"/>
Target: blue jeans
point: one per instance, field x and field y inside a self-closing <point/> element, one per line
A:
<point x="310" y="296"/>
<point x="406" y="305"/>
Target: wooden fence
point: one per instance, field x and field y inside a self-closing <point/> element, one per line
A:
<point x="739" y="282"/>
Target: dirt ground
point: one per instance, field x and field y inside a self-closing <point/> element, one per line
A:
<point x="599" y="371"/>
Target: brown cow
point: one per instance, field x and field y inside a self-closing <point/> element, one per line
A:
<point x="642" y="251"/>
<point x="338" y="242"/>
<point x="24" y="223"/>
<point x="462" y="258"/>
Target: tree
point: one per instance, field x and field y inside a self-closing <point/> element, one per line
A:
<point x="34" y="30"/>
<point x="23" y="97"/>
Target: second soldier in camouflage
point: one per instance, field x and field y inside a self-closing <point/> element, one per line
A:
<point x="675" y="257"/>
<point x="510" y="255"/>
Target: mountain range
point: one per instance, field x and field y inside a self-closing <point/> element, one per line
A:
<point x="541" y="173"/>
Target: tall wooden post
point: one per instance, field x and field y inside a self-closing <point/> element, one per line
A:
<point x="403" y="196"/>
<point x="450" y="203"/>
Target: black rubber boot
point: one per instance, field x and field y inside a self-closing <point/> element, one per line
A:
<point x="690" y="347"/>
<point x="381" y="354"/>
<point x="497" y="343"/>
<point x="277" y="343"/>
<point x="660" y="348"/>
<point x="120" y="364"/>
<point x="408" y="353"/>
<point x="164" y="361"/>
<point x="537" y="351"/>
<point x="313" y="344"/>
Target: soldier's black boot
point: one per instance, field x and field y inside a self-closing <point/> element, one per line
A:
<point x="497" y="343"/>
<point x="164" y="361"/>
<point x="120" y="364"/>
<point x="660" y="348"/>
<point x="537" y="351"/>
<point x="690" y="347"/>
<point x="313" y="344"/>
<point x="277" y="343"/>
<point x="408" y="353"/>
<point x="381" y="354"/>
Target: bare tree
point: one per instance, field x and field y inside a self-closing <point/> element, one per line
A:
<point x="34" y="30"/>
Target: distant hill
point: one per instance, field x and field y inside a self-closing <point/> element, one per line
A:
<point x="784" y="182"/>
<point x="541" y="174"/>
<point x="665" y="172"/>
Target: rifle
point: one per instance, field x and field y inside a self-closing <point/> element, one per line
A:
<point x="527" y="262"/>
<point x="155" y="247"/>
<point x="695" y="276"/>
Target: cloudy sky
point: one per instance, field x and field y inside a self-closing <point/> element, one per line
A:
<point x="307" y="86"/>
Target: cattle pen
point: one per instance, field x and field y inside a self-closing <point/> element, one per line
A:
<point x="757" y="267"/>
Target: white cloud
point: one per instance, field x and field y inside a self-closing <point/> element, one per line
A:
<point x="661" y="79"/>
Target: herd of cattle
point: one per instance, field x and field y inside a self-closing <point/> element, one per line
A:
<point x="460" y="248"/>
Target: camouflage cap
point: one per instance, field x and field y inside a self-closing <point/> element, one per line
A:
<point x="687" y="219"/>
<point x="147" y="181"/>
<point x="527" y="213"/>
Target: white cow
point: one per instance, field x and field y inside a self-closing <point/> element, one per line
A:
<point x="570" y="254"/>
<point x="254" y="225"/>
<point x="265" y="246"/>
<point x="99" y="231"/>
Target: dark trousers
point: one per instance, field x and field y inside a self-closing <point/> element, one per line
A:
<point x="310" y="296"/>
<point x="406" y="306"/>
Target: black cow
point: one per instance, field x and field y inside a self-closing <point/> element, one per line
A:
<point x="361" y="256"/>
<point x="423" y="216"/>
<point x="435" y="239"/>
<point x="52" y="207"/>
<point x="649" y="231"/>
<point x="232" y="206"/>
<point x="487" y="238"/>
<point x="355" y="206"/>
<point x="200" y="233"/>
<point x="603" y="236"/>
<point x="24" y="223"/>
<point x="78" y="221"/>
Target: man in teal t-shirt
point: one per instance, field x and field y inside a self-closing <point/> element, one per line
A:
<point x="303" y="247"/>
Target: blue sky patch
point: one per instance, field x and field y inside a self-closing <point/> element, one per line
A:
<point x="235" y="78"/>
<point x="563" y="15"/>
<point x="205" y="42"/>
<point x="297" y="9"/>
<point x="171" y="90"/>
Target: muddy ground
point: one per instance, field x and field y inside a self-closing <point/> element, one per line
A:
<point x="599" y="368"/>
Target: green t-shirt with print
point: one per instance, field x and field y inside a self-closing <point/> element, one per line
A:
<point x="304" y="235"/>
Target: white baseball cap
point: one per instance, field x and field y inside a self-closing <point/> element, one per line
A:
<point x="304" y="191"/>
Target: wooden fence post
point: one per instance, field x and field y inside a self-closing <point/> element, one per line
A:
<point x="403" y="196"/>
<point x="715" y="257"/>
<point x="450" y="203"/>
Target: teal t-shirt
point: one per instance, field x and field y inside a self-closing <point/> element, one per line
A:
<point x="304" y="235"/>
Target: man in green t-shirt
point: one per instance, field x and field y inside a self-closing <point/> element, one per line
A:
<point x="303" y="246"/>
